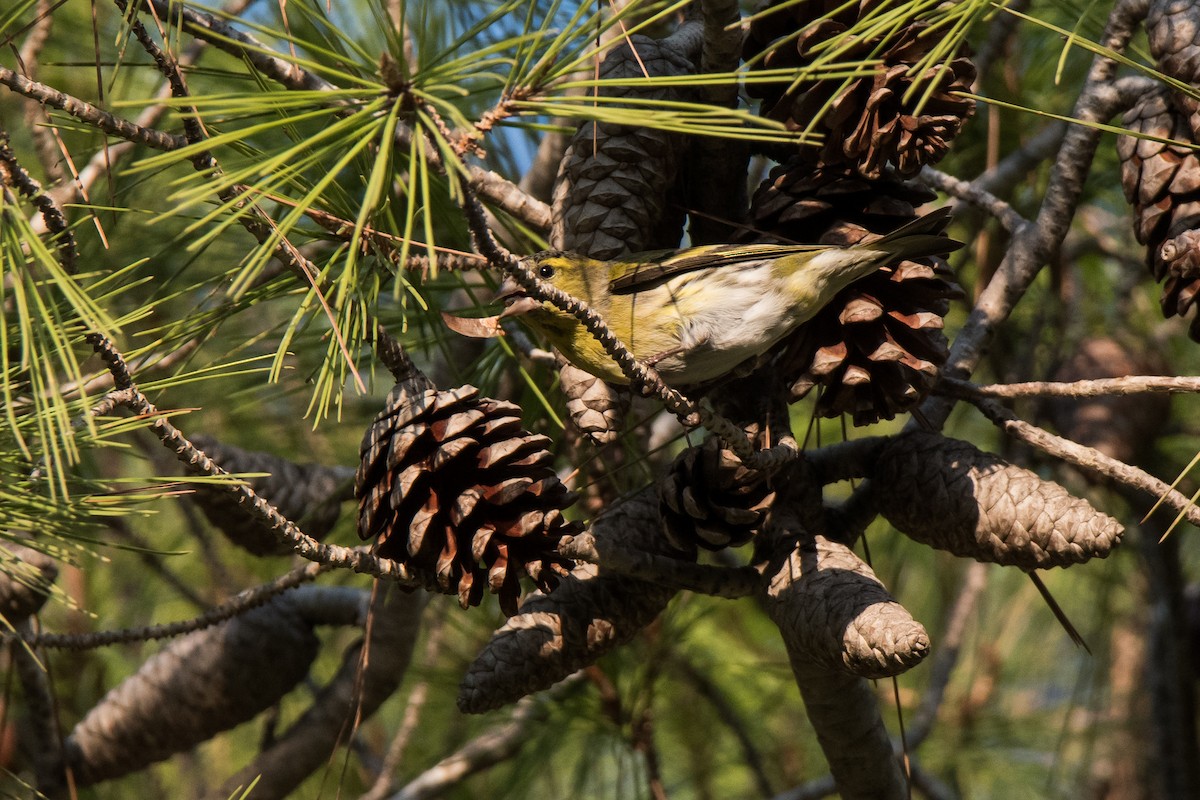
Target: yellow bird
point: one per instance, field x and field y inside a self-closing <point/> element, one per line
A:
<point x="698" y="313"/>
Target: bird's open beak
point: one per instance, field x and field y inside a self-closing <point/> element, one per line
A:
<point x="516" y="302"/>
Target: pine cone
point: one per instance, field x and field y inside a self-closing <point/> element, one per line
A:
<point x="206" y="682"/>
<point x="596" y="408"/>
<point x="451" y="486"/>
<point x="1163" y="183"/>
<point x="1173" y="28"/>
<point x="869" y="122"/>
<point x="709" y="498"/>
<point x="834" y="614"/>
<point x="309" y="494"/>
<point x="611" y="196"/>
<point x="952" y="496"/>
<point x="877" y="347"/>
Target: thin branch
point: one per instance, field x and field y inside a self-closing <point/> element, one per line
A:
<point x="1102" y="387"/>
<point x="1085" y="458"/>
<point x="235" y="606"/>
<point x="90" y="114"/>
<point x="492" y="747"/>
<point x="972" y="193"/>
<point x="13" y="174"/>
<point x="284" y="530"/>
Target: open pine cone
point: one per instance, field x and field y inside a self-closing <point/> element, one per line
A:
<point x="1162" y="182"/>
<point x="877" y="347"/>
<point x="871" y="121"/>
<point x="1173" y="30"/>
<point x="710" y="498"/>
<point x="453" y="487"/>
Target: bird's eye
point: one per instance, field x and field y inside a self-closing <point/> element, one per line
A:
<point x="546" y="271"/>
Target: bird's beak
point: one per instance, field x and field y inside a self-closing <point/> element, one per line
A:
<point x="516" y="302"/>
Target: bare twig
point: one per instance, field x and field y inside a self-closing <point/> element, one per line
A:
<point x="90" y="114"/>
<point x="13" y="174"/>
<point x="1085" y="458"/>
<point x="492" y="747"/>
<point x="238" y="604"/>
<point x="285" y="531"/>
<point x="1035" y="244"/>
<point x="972" y="193"/>
<point x="1102" y="387"/>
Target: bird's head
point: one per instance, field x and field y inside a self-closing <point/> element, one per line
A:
<point x="582" y="278"/>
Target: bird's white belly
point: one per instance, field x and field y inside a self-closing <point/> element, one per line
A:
<point x="738" y="317"/>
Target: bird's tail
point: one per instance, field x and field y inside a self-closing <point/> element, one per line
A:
<point x="922" y="237"/>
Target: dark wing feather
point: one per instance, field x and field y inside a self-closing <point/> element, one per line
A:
<point x="648" y="270"/>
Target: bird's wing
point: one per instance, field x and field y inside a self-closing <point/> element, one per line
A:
<point x="647" y="270"/>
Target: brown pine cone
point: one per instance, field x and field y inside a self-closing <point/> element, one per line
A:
<point x="836" y="615"/>
<point x="206" y="682"/>
<point x="950" y="495"/>
<point x="308" y="494"/>
<point x="872" y="121"/>
<point x="611" y="196"/>
<point x="451" y="486"/>
<point x="1173" y="29"/>
<point x="1163" y="183"/>
<point x="877" y="347"/>
<point x="709" y="498"/>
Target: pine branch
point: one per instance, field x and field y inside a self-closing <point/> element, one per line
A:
<point x="284" y="530"/>
<point x="235" y="606"/>
<point x="90" y="114"/>
<point x="13" y="174"/>
<point x="1086" y="458"/>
